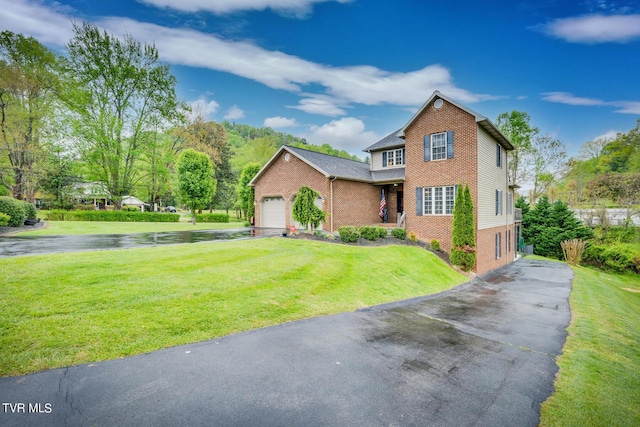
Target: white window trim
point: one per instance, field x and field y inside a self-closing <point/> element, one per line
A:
<point x="433" y="147"/>
<point x="432" y="197"/>
<point x="392" y="155"/>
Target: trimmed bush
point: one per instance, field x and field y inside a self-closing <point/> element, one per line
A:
<point x="382" y="232"/>
<point x="349" y="233"/>
<point x="619" y="258"/>
<point x="399" y="233"/>
<point x="115" y="216"/>
<point x="371" y="232"/>
<point x="4" y="219"/>
<point x="15" y="210"/>
<point x="435" y="244"/>
<point x="212" y="217"/>
<point x="29" y="209"/>
<point x="131" y="209"/>
<point x="413" y="237"/>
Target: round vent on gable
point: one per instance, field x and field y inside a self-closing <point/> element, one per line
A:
<point x="438" y="104"/>
<point x="287" y="156"/>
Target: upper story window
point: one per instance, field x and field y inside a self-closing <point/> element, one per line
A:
<point x="439" y="146"/>
<point x="393" y="157"/>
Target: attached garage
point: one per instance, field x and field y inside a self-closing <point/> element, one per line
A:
<point x="272" y="212"/>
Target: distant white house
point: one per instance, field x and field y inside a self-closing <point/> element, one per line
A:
<point x="133" y="201"/>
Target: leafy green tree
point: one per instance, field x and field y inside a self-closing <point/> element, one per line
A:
<point x="58" y="177"/>
<point x="304" y="209"/>
<point x="463" y="239"/>
<point x="246" y="193"/>
<point x="122" y="93"/>
<point x="548" y="161"/>
<point x="29" y="79"/>
<point x="227" y="180"/>
<point x="258" y="151"/>
<point x="517" y="128"/>
<point x="194" y="180"/>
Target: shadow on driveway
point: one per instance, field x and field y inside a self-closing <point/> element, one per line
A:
<point x="482" y="354"/>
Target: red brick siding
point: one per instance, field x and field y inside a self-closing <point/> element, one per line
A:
<point x="462" y="169"/>
<point x="285" y="179"/>
<point x="486" y="255"/>
<point x="355" y="203"/>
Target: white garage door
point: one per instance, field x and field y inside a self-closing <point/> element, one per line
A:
<point x="272" y="212"/>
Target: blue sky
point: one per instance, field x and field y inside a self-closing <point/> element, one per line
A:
<point x="348" y="72"/>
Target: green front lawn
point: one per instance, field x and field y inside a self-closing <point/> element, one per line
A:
<point x="599" y="379"/>
<point x="63" y="309"/>
<point x="104" y="227"/>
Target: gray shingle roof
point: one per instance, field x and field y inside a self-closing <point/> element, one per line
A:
<point x="389" y="141"/>
<point x="333" y="165"/>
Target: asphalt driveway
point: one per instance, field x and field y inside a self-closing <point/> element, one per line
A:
<point x="482" y="354"/>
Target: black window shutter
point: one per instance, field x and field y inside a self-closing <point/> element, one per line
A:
<point x="450" y="144"/>
<point x="427" y="148"/>
<point x="384" y="159"/>
<point x="497" y="202"/>
<point x="498" y="156"/>
<point x="419" y="203"/>
<point x="404" y="158"/>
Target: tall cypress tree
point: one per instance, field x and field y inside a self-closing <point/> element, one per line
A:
<point x="463" y="240"/>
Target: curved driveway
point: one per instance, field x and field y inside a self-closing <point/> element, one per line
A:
<point x="482" y="354"/>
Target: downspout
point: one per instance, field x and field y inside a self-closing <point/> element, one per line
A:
<point x="331" y="200"/>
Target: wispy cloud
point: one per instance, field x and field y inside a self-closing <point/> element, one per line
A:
<point x="593" y="29"/>
<point x="294" y="8"/>
<point x="335" y="87"/>
<point x="567" y="98"/>
<point x="280" y="122"/>
<point x="624" y="107"/>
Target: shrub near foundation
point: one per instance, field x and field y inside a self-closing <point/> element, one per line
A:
<point x="15" y="210"/>
<point x="4" y="219"/>
<point x="349" y="233"/>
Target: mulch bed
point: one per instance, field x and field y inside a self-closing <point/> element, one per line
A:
<point x="364" y="242"/>
<point x="11" y="230"/>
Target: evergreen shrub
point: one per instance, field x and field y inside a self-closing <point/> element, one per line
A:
<point x="4" y="219"/>
<point x="435" y="244"/>
<point x="372" y="232"/>
<point x="212" y="217"/>
<point x="15" y="210"/>
<point x="29" y="209"/>
<point x="349" y="233"/>
<point x="617" y="258"/>
<point x="399" y="233"/>
<point x="114" y="216"/>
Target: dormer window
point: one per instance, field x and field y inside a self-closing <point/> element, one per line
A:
<point x="393" y="157"/>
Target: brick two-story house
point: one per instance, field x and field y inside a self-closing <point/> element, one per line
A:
<point x="418" y="168"/>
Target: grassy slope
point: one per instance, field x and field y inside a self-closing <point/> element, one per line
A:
<point x="63" y="309"/>
<point x="102" y="227"/>
<point x="599" y="379"/>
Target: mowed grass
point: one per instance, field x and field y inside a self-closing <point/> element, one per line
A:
<point x="64" y="309"/>
<point x="104" y="227"/>
<point x="598" y="383"/>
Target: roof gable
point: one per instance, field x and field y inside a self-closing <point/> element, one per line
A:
<point x="328" y="165"/>
<point x="481" y="120"/>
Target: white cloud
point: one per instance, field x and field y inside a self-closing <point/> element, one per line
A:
<point x="607" y="136"/>
<point x="296" y="8"/>
<point x="234" y="113"/>
<point x="595" y="28"/>
<point x="359" y="84"/>
<point x="280" y="122"/>
<point x="627" y="107"/>
<point x="567" y="98"/>
<point x="48" y="24"/>
<point x="339" y="86"/>
<point x="319" y="105"/>
<point x="203" y="108"/>
<point x="624" y="107"/>
<point x="347" y="133"/>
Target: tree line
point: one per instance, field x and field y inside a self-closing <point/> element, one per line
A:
<point x="106" y="111"/>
